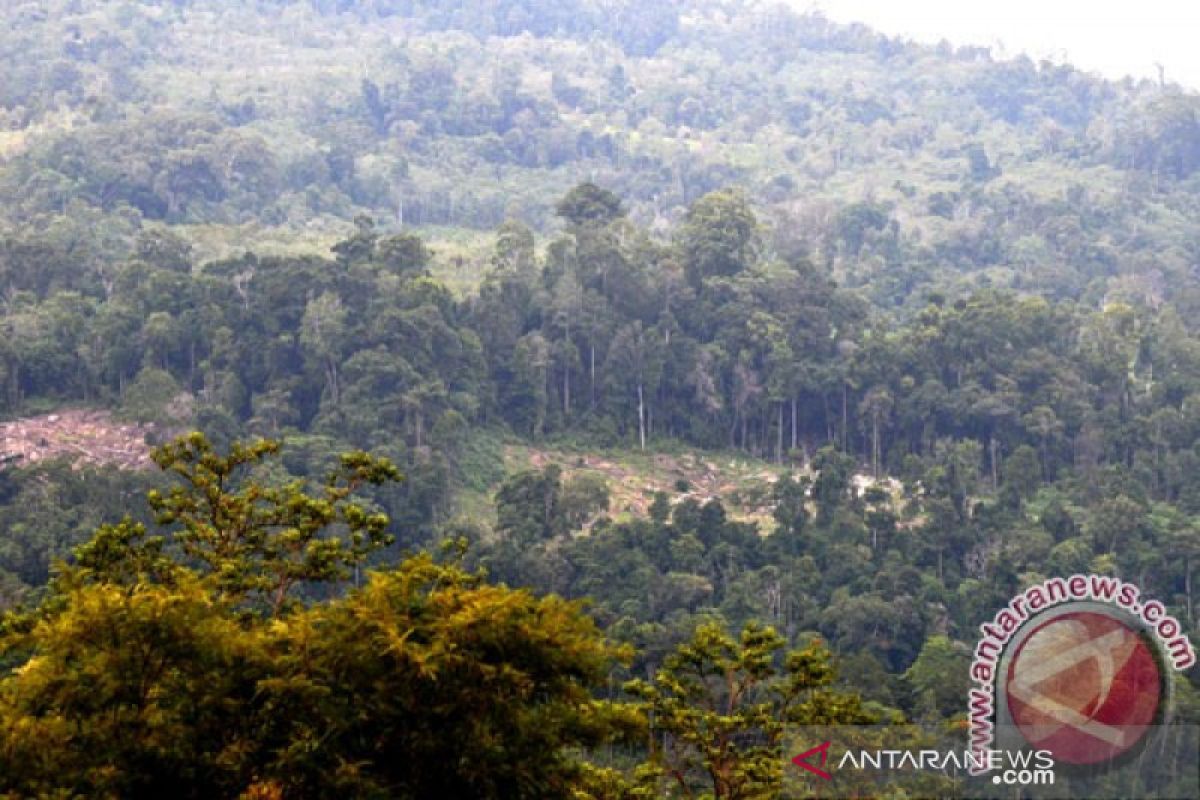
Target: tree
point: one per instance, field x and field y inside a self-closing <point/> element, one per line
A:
<point x="587" y="205"/>
<point x="527" y="505"/>
<point x="163" y="249"/>
<point x="323" y="334"/>
<point x="1116" y="521"/>
<point x="403" y="254"/>
<point x="719" y="708"/>
<point x="1183" y="542"/>
<point x="875" y="406"/>
<point x="566" y="308"/>
<point x="131" y="691"/>
<point x="791" y="515"/>
<point x="979" y="168"/>
<point x="832" y="487"/>
<point x="515" y="248"/>
<point x="634" y="366"/>
<point x="377" y="110"/>
<point x="259" y="543"/>
<point x="1043" y="423"/>
<point x="645" y="27"/>
<point x="427" y="661"/>
<point x="529" y="392"/>
<point x="146" y="672"/>
<point x="1023" y="472"/>
<point x="149" y="395"/>
<point x="583" y="497"/>
<point x="719" y="236"/>
<point x="359" y="247"/>
<point x="938" y="678"/>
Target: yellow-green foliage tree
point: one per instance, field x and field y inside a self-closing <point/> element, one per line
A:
<point x="720" y="708"/>
<point x="187" y="664"/>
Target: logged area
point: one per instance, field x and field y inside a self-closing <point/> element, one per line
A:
<point x="744" y="486"/>
<point x="81" y="437"/>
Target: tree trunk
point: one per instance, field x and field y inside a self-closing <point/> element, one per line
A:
<point x="779" y="436"/>
<point x="845" y="416"/>
<point x="875" y="443"/>
<point x="332" y="375"/>
<point x="641" y="417"/>
<point x="793" y="422"/>
<point x="1187" y="585"/>
<point x="994" y="446"/>
<point x="828" y="419"/>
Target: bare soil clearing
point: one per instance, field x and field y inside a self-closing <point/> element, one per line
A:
<point x="743" y="485"/>
<point x="82" y="436"/>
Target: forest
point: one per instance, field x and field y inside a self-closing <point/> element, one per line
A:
<point x="343" y="259"/>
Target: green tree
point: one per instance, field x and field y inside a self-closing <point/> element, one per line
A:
<point x="527" y="504"/>
<point x="144" y="673"/>
<point x="589" y="205"/>
<point x="633" y="368"/>
<point x="938" y="678"/>
<point x="323" y="334"/>
<point x="261" y="542"/>
<point x="720" y="706"/>
<point x="1023" y="471"/>
<point x="832" y="488"/>
<point x="719" y="236"/>
<point x="403" y="254"/>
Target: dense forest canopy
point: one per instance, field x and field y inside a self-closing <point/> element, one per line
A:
<point x="896" y="165"/>
<point x="947" y="306"/>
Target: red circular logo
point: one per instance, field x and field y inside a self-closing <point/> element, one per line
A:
<point x="1084" y="686"/>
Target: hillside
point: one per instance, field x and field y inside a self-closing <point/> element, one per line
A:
<point x="271" y="125"/>
<point x="535" y="363"/>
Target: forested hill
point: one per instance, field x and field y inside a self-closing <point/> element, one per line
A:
<point x="758" y="332"/>
<point x="273" y="124"/>
<point x="949" y="268"/>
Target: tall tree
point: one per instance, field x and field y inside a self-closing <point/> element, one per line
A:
<point x="720" y="707"/>
<point x="719" y="236"/>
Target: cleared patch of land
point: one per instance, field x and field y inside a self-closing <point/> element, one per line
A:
<point x="81" y="436"/>
<point x="742" y="485"/>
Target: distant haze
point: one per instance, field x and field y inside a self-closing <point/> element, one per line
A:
<point x="1112" y="37"/>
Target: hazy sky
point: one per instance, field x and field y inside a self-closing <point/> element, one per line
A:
<point x="1112" y="37"/>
